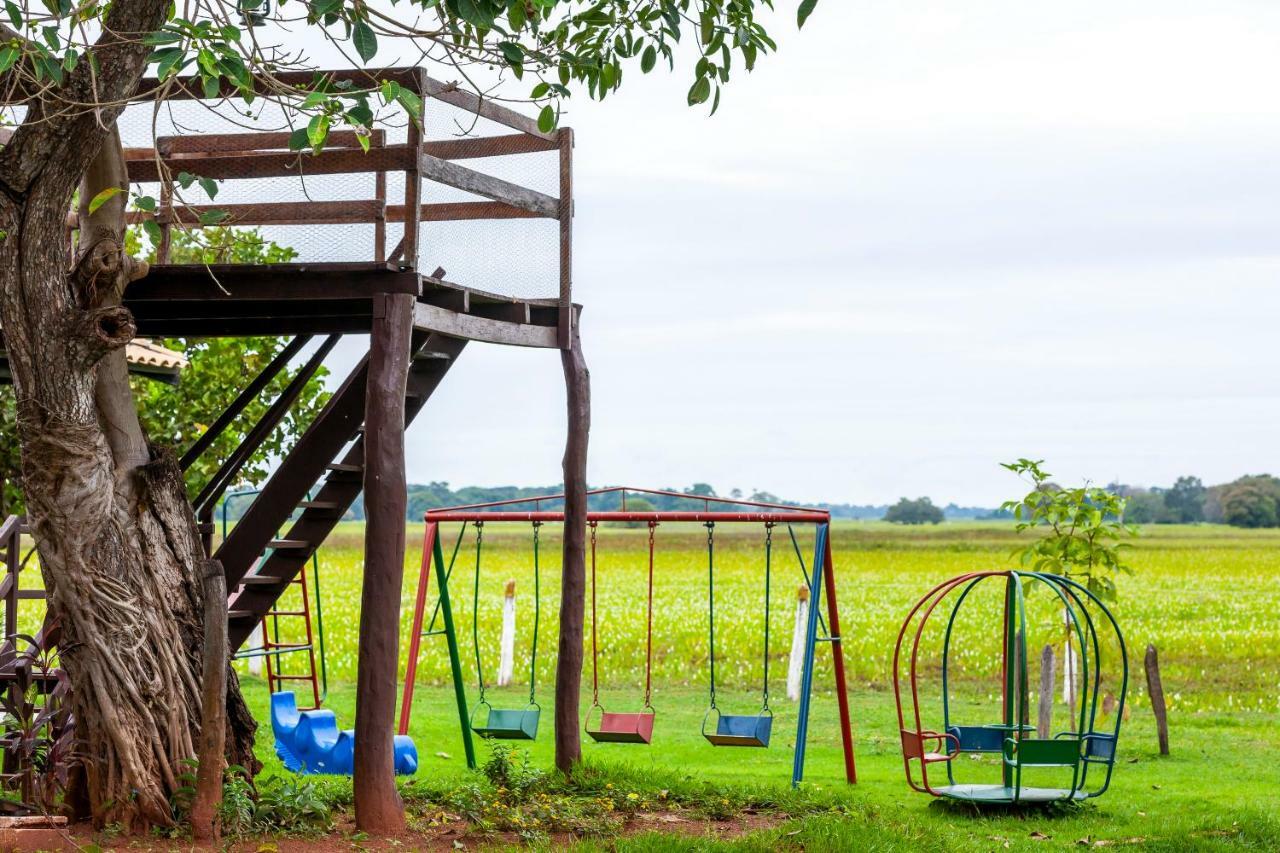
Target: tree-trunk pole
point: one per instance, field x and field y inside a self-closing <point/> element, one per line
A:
<point x="574" y="572"/>
<point x="377" y="803"/>
<point x="213" y="722"/>
<point x="1044" y="720"/>
<point x="1155" y="689"/>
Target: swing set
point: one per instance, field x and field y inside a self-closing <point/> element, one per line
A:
<point x="719" y="728"/>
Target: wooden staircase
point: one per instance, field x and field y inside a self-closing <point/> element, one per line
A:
<point x="328" y="463"/>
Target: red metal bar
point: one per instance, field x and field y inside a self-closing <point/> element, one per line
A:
<point x="415" y="638"/>
<point x="800" y="517"/>
<point x="705" y="499"/>
<point x="837" y="657"/>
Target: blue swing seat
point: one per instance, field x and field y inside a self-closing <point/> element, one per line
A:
<point x="740" y="730"/>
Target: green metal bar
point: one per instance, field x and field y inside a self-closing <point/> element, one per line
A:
<point x="1020" y="648"/>
<point x="1010" y="679"/>
<point x="455" y="661"/>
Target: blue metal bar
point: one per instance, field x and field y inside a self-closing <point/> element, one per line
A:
<point x="810" y="644"/>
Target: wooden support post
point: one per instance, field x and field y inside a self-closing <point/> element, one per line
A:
<point x="213" y="700"/>
<point x="378" y="806"/>
<point x="574" y="572"/>
<point x="1047" y="675"/>
<point x="1155" y="689"/>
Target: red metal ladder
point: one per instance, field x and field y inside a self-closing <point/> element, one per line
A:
<point x="274" y="650"/>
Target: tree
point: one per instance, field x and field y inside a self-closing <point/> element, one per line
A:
<point x="1252" y="502"/>
<point x="918" y="511"/>
<point x="1142" y="506"/>
<point x="1185" y="500"/>
<point x="118" y="543"/>
<point x="1079" y="531"/>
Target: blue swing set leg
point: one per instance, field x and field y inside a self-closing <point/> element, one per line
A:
<point x="822" y="568"/>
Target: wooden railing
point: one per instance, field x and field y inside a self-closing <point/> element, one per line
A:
<point x="250" y="156"/>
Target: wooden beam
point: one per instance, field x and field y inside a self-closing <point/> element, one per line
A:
<point x="468" y="147"/>
<point x="377" y="803"/>
<point x="214" y="143"/>
<point x="457" y="211"/>
<point x="478" y="183"/>
<point x="277" y="164"/>
<point x="451" y="94"/>
<point x="354" y="212"/>
<point x="244" y="282"/>
<point x="435" y="319"/>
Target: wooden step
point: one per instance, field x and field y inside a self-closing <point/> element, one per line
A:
<point x="343" y="468"/>
<point x="319" y="505"/>
<point x="242" y="614"/>
<point x="261" y="580"/>
<point x="288" y="544"/>
<point x="431" y="355"/>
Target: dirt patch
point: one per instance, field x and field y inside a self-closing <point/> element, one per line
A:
<point x="449" y="835"/>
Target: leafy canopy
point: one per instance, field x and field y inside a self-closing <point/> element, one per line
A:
<point x="535" y="50"/>
<point x="1079" y="532"/>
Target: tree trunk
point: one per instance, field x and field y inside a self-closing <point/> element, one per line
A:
<point x="118" y="543"/>
<point x="378" y="807"/>
<point x="573" y="573"/>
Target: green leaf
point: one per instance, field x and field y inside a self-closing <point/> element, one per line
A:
<point x="804" y="11"/>
<point x="547" y="119"/>
<point x="153" y="230"/>
<point x="146" y="203"/>
<point x="411" y="104"/>
<point x="314" y="99"/>
<point x="648" y="59"/>
<point x="103" y="197"/>
<point x="516" y="15"/>
<point x="212" y="217"/>
<point x="363" y="139"/>
<point x="700" y="91"/>
<point x="298" y="139"/>
<point x="185" y="179"/>
<point x="15" y="14"/>
<point x="365" y="41"/>
<point x="8" y="55"/>
<point x="512" y="52"/>
<point x="318" y="132"/>
<point x="210" y="187"/>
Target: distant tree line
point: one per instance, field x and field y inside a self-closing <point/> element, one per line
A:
<point x="1250" y="501"/>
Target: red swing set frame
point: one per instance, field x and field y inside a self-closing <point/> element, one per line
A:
<point x="713" y="509"/>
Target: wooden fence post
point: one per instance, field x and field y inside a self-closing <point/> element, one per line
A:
<point x="1047" y="674"/>
<point x="1155" y="689"/>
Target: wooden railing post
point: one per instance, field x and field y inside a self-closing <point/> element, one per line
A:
<point x="567" y="318"/>
<point x="1155" y="689"/>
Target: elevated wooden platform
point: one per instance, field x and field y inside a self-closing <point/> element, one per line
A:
<point x="327" y="298"/>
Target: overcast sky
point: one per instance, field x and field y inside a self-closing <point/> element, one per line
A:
<point x="921" y="239"/>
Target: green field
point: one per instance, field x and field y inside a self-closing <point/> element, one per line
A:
<point x="1206" y="596"/>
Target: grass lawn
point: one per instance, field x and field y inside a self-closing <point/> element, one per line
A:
<point x="1206" y="596"/>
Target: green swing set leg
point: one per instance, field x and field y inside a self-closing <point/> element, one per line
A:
<point x="455" y="660"/>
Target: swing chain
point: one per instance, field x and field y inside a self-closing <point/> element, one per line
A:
<point x="648" y="655"/>
<point x="595" y="664"/>
<point x="711" y="607"/>
<point x="768" y="572"/>
<point x="475" y="611"/>
<point x="537" y="602"/>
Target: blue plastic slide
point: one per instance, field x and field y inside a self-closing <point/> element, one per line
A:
<point x="309" y="741"/>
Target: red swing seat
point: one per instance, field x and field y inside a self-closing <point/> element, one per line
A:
<point x="622" y="727"/>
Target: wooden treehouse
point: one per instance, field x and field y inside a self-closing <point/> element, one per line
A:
<point x="451" y="230"/>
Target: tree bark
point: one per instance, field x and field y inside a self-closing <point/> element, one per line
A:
<point x="573" y="581"/>
<point x="119" y="549"/>
<point x="378" y="806"/>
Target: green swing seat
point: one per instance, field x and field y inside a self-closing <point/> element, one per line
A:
<point x="509" y="724"/>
